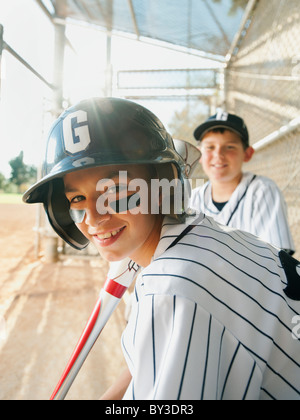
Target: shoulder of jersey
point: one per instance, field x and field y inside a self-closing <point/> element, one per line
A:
<point x="264" y="182"/>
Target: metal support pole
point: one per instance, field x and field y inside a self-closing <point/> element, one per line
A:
<point x="278" y="134"/>
<point x="109" y="70"/>
<point x="58" y="69"/>
<point x="108" y="79"/>
<point x="1" y="50"/>
<point x="10" y="50"/>
<point x="230" y="55"/>
<point x="51" y="251"/>
<point x="1" y="38"/>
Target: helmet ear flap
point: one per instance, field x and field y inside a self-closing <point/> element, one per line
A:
<point x="176" y="189"/>
<point x="57" y="209"/>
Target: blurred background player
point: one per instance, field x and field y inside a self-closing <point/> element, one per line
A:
<point x="232" y="197"/>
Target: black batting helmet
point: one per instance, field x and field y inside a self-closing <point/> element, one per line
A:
<point x="97" y="132"/>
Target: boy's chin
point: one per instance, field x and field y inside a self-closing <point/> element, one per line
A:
<point x="111" y="257"/>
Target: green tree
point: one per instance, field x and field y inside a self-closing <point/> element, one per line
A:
<point x="2" y="181"/>
<point x="20" y="172"/>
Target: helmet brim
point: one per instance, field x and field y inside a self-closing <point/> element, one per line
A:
<point x="37" y="193"/>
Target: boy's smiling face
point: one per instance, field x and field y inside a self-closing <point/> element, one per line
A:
<point x="115" y="235"/>
<point x="223" y="155"/>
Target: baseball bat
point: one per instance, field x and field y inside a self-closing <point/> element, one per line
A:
<point x="119" y="278"/>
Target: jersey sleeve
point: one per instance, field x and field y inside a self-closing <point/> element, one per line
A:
<point x="269" y="217"/>
<point x="180" y="352"/>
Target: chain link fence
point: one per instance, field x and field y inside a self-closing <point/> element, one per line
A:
<point x="263" y="86"/>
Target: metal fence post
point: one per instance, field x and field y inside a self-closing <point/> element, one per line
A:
<point x="51" y="251"/>
<point x="1" y="49"/>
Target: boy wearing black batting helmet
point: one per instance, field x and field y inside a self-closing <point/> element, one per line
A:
<point x="213" y="307"/>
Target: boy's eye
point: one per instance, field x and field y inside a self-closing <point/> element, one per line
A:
<point x="77" y="199"/>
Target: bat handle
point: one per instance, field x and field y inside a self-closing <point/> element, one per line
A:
<point x="71" y="371"/>
<point x="110" y="296"/>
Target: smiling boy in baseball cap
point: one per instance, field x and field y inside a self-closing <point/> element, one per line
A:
<point x="232" y="197"/>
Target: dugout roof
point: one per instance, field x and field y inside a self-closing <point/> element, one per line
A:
<point x="208" y="26"/>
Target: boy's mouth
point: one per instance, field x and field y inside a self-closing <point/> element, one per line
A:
<point x="108" y="235"/>
<point x="108" y="238"/>
<point x="219" y="166"/>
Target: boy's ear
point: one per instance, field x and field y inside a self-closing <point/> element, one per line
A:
<point x="249" y="152"/>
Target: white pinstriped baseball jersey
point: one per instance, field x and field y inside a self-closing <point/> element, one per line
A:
<point x="256" y="206"/>
<point x="211" y="320"/>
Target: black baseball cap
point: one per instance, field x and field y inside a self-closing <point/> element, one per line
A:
<point x="224" y="120"/>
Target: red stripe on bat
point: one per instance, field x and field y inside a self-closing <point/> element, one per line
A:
<point x="83" y="339"/>
<point x="115" y="289"/>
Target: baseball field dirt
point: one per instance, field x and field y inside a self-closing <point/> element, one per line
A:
<point x="43" y="310"/>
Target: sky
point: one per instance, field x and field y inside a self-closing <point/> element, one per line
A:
<point x="25" y="102"/>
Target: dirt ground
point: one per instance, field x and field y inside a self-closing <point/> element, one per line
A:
<point x="43" y="310"/>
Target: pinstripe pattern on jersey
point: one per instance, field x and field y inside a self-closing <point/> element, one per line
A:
<point x="153" y="342"/>
<point x="239" y="201"/>
<point x="220" y="360"/>
<point x="256" y="206"/>
<point x="212" y="321"/>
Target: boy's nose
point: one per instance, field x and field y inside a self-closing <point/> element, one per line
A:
<point x="219" y="152"/>
<point x="93" y="218"/>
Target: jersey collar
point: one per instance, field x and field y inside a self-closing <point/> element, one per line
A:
<point x="171" y="229"/>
